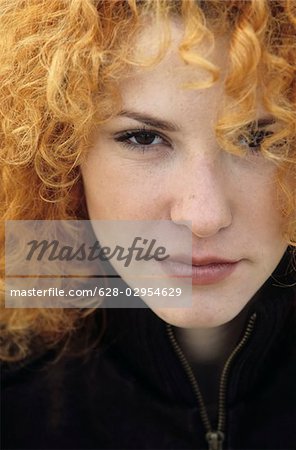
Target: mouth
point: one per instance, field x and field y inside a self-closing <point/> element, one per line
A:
<point x="202" y="271"/>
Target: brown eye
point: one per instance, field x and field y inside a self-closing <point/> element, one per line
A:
<point x="142" y="140"/>
<point x="258" y="137"/>
<point x="145" y="138"/>
<point x="255" y="138"/>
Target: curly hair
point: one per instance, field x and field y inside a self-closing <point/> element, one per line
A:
<point x="61" y="61"/>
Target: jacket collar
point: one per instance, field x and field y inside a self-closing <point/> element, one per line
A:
<point x="137" y="339"/>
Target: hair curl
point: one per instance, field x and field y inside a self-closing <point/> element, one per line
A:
<point x="61" y="61"/>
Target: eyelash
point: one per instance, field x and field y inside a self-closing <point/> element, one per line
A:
<point x="125" y="137"/>
<point x="253" y="141"/>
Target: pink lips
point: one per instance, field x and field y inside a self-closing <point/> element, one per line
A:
<point x="203" y="271"/>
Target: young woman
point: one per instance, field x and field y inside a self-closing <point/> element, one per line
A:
<point x="151" y="111"/>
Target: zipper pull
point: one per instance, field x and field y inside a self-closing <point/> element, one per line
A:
<point x="215" y="440"/>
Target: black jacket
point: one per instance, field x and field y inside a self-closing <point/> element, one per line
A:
<point x="134" y="391"/>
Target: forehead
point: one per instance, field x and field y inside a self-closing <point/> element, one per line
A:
<point x="155" y="39"/>
<point x="160" y="87"/>
<point x="161" y="84"/>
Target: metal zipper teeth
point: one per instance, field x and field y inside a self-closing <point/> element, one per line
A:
<point x="225" y="373"/>
<point x="223" y="380"/>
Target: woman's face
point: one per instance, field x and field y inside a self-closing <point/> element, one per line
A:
<point x="176" y="171"/>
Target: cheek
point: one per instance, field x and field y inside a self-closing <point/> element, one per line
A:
<point x="261" y="207"/>
<point x="120" y="190"/>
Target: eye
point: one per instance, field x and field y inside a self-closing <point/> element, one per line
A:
<point x="254" y="138"/>
<point x="145" y="138"/>
<point x="141" y="139"/>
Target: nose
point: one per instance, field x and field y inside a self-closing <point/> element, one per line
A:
<point x="202" y="197"/>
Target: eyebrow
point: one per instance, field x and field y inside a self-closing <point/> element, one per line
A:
<point x="170" y="126"/>
<point x="263" y="122"/>
<point x="150" y="120"/>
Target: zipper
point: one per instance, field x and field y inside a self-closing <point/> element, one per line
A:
<point x="214" y="437"/>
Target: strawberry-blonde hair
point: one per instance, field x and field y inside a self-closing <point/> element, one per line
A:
<point x="60" y="64"/>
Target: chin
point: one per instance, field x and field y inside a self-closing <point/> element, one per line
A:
<point x="191" y="318"/>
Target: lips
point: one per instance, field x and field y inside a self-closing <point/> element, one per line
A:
<point x="211" y="260"/>
<point x="201" y="261"/>
<point x="202" y="270"/>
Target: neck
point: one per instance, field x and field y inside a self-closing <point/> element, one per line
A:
<point x="212" y="345"/>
